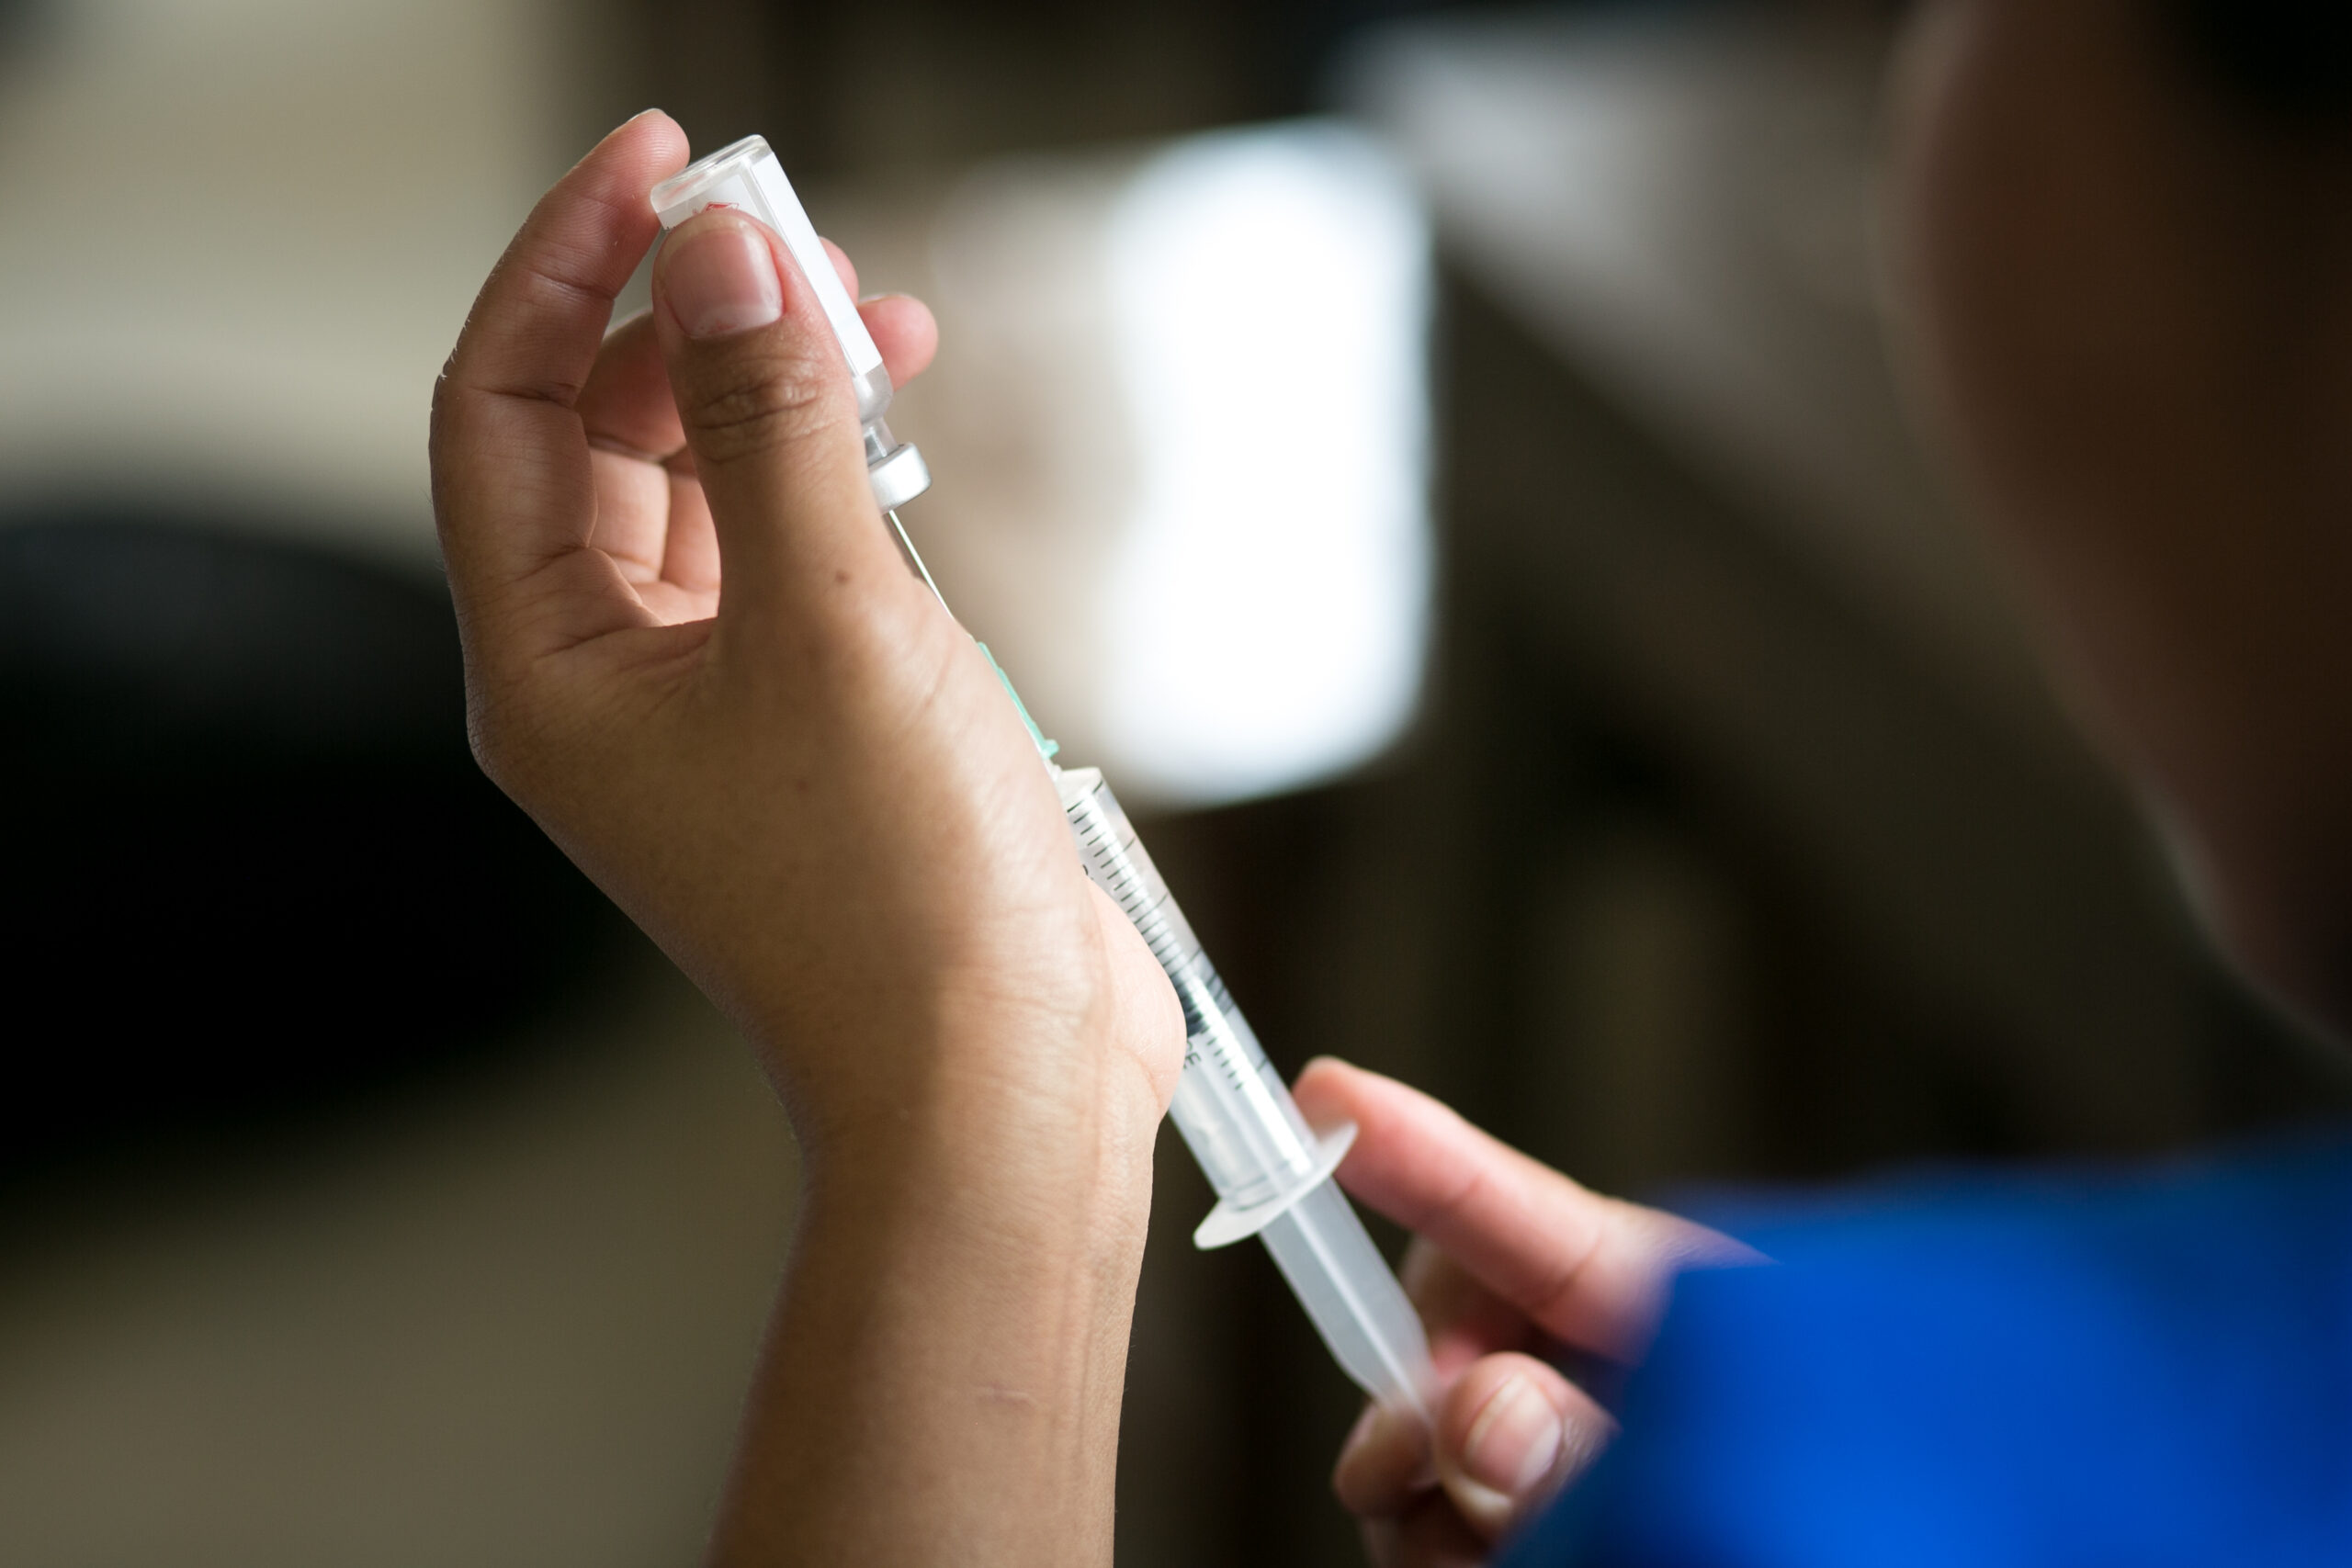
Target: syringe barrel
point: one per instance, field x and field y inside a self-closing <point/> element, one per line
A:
<point x="1230" y="1105"/>
<point x="1272" y="1176"/>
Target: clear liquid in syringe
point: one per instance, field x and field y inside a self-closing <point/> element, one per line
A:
<point x="1229" y="1106"/>
<point x="1273" y="1175"/>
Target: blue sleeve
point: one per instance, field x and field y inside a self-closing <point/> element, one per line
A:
<point x="2151" y="1371"/>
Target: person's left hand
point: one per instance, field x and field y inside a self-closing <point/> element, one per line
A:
<point x="796" y="773"/>
<point x="1514" y="1268"/>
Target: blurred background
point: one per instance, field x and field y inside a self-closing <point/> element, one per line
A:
<point x="1439" y="460"/>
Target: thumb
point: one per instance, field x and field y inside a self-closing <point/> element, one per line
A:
<point x="1510" y="1433"/>
<point x="764" y="397"/>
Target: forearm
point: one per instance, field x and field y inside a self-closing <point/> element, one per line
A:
<point x="943" y="1374"/>
<point x="811" y="788"/>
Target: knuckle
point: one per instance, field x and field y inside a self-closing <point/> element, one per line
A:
<point x="487" y="735"/>
<point x="507" y="733"/>
<point x="440" y="415"/>
<point x="441" y="427"/>
<point x="437" y="438"/>
<point x="758" y="404"/>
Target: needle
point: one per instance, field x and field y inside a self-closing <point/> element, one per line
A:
<point x="914" y="559"/>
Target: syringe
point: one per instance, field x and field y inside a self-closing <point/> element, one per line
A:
<point x="1272" y="1173"/>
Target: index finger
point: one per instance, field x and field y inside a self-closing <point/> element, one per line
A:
<point x="1588" y="1270"/>
<point x="510" y="465"/>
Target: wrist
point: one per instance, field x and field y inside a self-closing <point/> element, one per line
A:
<point x="1043" y="1143"/>
<point x="951" y="1336"/>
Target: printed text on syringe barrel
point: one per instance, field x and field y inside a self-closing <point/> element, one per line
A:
<point x="1231" y="1107"/>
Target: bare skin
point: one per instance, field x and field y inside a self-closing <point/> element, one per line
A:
<point x="692" y="657"/>
<point x="2130" y="309"/>
<point x="1513" y="1264"/>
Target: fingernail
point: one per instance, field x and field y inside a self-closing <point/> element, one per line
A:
<point x="722" y="279"/>
<point x="1515" y="1441"/>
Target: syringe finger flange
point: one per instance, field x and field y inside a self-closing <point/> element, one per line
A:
<point x="1230" y="1222"/>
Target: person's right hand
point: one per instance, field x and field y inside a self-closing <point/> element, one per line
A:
<point x="1512" y="1265"/>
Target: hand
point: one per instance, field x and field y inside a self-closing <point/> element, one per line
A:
<point x="694" y="655"/>
<point x="804" y="782"/>
<point x="1513" y="1265"/>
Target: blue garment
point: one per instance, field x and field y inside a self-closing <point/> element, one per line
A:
<point x="2142" y="1370"/>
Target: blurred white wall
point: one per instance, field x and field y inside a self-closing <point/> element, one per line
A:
<point x="240" y="236"/>
<point x="1181" y="429"/>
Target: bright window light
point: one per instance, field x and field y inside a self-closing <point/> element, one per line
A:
<point x="1267" y="609"/>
